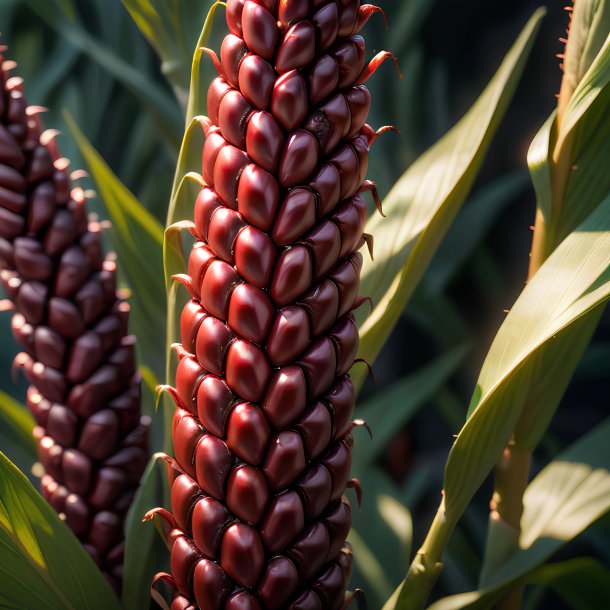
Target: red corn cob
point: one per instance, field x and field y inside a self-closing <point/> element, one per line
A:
<point x="78" y="358"/>
<point x="262" y="429"/>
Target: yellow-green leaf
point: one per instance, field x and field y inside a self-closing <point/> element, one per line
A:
<point x="574" y="281"/>
<point x="564" y="499"/>
<point x="42" y="564"/>
<point x="424" y="202"/>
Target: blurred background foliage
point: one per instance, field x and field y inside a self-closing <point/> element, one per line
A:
<point x="88" y="59"/>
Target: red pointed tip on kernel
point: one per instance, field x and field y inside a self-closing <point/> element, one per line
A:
<point x="375" y="64"/>
<point x="369" y="185"/>
<point x="360" y="301"/>
<point x="365" y="13"/>
<point x="358" y="596"/>
<point x="206" y="124"/>
<point x="161" y="389"/>
<point x="160" y="512"/>
<point x="6" y="305"/>
<point x="20" y="362"/>
<point x="212" y="55"/>
<point x="370" y="242"/>
<point x="171" y="462"/>
<point x="371" y="135"/>
<point x="179" y="350"/>
<point x="167" y="579"/>
<point x="361" y="423"/>
<point x="357" y="487"/>
<point x="369" y="368"/>
<point x="184" y="280"/>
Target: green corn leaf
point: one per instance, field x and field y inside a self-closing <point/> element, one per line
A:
<point x="145" y="551"/>
<point x="568" y="161"/>
<point x="383" y="524"/>
<point x="566" y="498"/>
<point x="424" y="202"/>
<point x="381" y="534"/>
<point x="589" y="28"/>
<point x="152" y="97"/>
<point x="42" y="564"/>
<point x="574" y="281"/>
<point x="164" y="25"/>
<point x="474" y="221"/>
<point x="138" y="239"/>
<point x="564" y="200"/>
<point x="197" y="103"/>
<point x="391" y="409"/>
<point x="584" y="583"/>
<point x="17" y="421"/>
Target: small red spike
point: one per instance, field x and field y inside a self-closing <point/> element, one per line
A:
<point x="368" y="366"/>
<point x="373" y="135"/>
<point x="370" y="242"/>
<point x="171" y="462"/>
<point x="369" y="185"/>
<point x="180" y="351"/>
<point x="156" y="595"/>
<point x="365" y="13"/>
<point x="374" y="65"/>
<point x="171" y="391"/>
<point x="212" y="55"/>
<point x="185" y="280"/>
<point x="359" y="597"/>
<point x="355" y="485"/>
<point x="360" y="423"/>
<point x="160" y="512"/>
<point x="360" y="301"/>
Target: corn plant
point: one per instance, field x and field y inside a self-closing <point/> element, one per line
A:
<point x="261" y="303"/>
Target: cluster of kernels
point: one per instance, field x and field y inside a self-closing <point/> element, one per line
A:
<point x="262" y="430"/>
<point x="78" y="358"/>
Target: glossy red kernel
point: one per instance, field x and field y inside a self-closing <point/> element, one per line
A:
<point x="248" y="433"/>
<point x="250" y="313"/>
<point x="242" y="555"/>
<point x="286" y="396"/>
<point x="258" y="196"/>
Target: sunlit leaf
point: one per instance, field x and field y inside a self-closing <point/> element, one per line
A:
<point x="424" y="202"/>
<point x="16" y="420"/>
<point x="42" y="564"/>
<point x="148" y="92"/>
<point x="574" y="281"/>
<point x="172" y="36"/>
<point x="566" y="497"/>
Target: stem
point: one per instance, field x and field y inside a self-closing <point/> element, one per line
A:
<point x="427" y="564"/>
<point x="512" y="472"/>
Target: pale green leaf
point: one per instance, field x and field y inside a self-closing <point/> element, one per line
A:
<point x="173" y="38"/>
<point x="584" y="583"/>
<point x="538" y="160"/>
<point x="152" y="97"/>
<point x="42" y="564"/>
<point x="589" y="28"/>
<point x="566" y="498"/>
<point x="391" y="409"/>
<point x="17" y="421"/>
<point x="474" y="221"/>
<point x="197" y="104"/>
<point x="424" y="202"/>
<point x="574" y="281"/>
